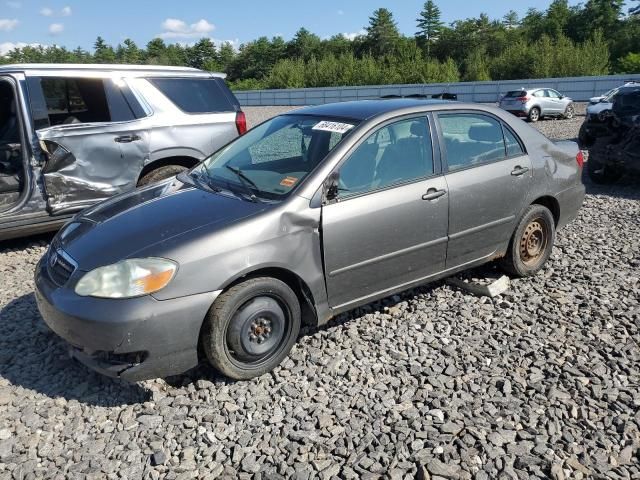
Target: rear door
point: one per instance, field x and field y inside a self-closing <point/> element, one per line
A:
<point x="94" y="140"/>
<point x="488" y="177"/>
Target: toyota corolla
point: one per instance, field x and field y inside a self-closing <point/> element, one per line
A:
<point x="308" y="215"/>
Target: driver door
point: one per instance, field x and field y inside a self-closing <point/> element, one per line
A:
<point x="388" y="226"/>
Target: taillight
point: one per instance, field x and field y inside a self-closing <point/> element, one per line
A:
<point x="580" y="158"/>
<point x="241" y="122"/>
<point x="524" y="99"/>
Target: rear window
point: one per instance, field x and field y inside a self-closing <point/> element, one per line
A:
<point x="195" y="95"/>
<point x="516" y="94"/>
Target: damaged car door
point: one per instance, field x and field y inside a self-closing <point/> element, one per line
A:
<point x="93" y="140"/>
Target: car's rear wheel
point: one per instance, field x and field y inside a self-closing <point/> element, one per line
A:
<point x="251" y="328"/>
<point x="602" y="174"/>
<point x="569" y="112"/>
<point x="532" y="242"/>
<point x="160" y="174"/>
<point x="534" y="115"/>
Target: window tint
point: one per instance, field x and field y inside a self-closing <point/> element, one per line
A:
<point x="471" y="139"/>
<point x="516" y="94"/>
<point x="194" y="95"/>
<point x="397" y="153"/>
<point x="75" y="100"/>
<point x="513" y="146"/>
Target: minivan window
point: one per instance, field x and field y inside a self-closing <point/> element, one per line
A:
<point x="471" y="139"/>
<point x="275" y="157"/>
<point x="82" y="100"/>
<point x="194" y="95"/>
<point x="397" y="153"/>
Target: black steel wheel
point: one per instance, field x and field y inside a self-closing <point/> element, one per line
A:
<point x="251" y="328"/>
<point x="532" y="242"/>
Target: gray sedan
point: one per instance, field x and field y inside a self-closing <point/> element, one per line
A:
<point x="308" y="215"/>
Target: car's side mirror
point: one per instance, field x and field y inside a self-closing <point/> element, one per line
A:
<point x="330" y="189"/>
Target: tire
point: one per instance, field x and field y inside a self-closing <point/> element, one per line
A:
<point x="531" y="244"/>
<point x="569" y="112"/>
<point x="251" y="328"/>
<point x="534" y="115"/>
<point x="160" y="174"/>
<point x="602" y="174"/>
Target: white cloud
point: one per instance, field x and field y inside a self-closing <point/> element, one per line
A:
<point x="176" y="28"/>
<point x="14" y="4"/>
<point x="56" y="28"/>
<point x="46" y="12"/>
<point x="6" y="24"/>
<point x="353" y="35"/>
<point x="7" y="47"/>
<point x="66" y="11"/>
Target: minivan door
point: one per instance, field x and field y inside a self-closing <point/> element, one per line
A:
<point x="95" y="145"/>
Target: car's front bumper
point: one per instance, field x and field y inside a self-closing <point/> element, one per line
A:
<point x="133" y="339"/>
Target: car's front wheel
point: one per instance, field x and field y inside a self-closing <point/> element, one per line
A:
<point x="251" y="328"/>
<point x="532" y="242"/>
<point x="569" y="112"/>
<point x="534" y="115"/>
<point x="160" y="174"/>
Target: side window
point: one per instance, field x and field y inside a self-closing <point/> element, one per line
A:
<point x="194" y="95"/>
<point x="398" y="153"/>
<point x="552" y="94"/>
<point x="75" y="100"/>
<point x="471" y="139"/>
<point x="538" y="93"/>
<point x="514" y="148"/>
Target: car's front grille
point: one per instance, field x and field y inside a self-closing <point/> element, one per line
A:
<point x="60" y="266"/>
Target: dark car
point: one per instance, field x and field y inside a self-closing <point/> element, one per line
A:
<point x="306" y="216"/>
<point x="74" y="135"/>
<point x="614" y="143"/>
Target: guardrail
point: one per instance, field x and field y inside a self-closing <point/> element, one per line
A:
<point x="578" y="88"/>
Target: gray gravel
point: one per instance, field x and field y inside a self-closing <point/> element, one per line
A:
<point x="541" y="382"/>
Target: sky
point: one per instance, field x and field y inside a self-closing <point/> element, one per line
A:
<point x="73" y="23"/>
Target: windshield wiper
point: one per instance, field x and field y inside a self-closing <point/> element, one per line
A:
<point x="204" y="181"/>
<point x="247" y="183"/>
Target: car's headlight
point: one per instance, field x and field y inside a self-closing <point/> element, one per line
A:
<point x="129" y="278"/>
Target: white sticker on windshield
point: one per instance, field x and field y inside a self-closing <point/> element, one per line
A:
<point x="336" y="127"/>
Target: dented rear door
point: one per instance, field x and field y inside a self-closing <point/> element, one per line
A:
<point x="88" y="163"/>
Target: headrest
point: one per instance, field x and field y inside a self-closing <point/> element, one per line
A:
<point x="485" y="133"/>
<point x="418" y="129"/>
<point x="12" y="106"/>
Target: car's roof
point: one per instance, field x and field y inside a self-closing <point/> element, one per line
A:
<point x="365" y="109"/>
<point x="91" y="67"/>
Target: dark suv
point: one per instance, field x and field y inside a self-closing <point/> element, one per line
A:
<point x="73" y="135"/>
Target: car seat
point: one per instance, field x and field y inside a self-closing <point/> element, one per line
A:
<point x="406" y="159"/>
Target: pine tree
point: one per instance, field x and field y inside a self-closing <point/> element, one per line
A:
<point x="511" y="20"/>
<point x="429" y="24"/>
<point x="382" y="32"/>
<point x="103" y="53"/>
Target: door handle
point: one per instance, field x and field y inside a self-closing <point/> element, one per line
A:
<point x="519" y="171"/>
<point x="433" y="194"/>
<point x="127" y="138"/>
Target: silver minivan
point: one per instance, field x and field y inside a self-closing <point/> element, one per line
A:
<point x="74" y="135"/>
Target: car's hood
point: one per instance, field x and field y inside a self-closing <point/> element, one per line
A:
<point x="598" y="107"/>
<point x="120" y="227"/>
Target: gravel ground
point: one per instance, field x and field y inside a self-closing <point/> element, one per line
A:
<point x="540" y="382"/>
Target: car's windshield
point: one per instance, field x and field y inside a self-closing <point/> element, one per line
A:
<point x="270" y="160"/>
<point x="610" y="94"/>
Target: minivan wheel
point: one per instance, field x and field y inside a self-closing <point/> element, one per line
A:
<point x="602" y="174"/>
<point x="160" y="174"/>
<point x="532" y="242"/>
<point x="534" y="115"/>
<point x="251" y="328"/>
<point x="569" y="112"/>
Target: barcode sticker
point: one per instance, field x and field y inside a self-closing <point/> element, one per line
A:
<point x="336" y="127"/>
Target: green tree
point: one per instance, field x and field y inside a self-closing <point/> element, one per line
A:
<point x="511" y="20"/>
<point x="103" y="53"/>
<point x="630" y="63"/>
<point x="429" y="24"/>
<point x="226" y="55"/>
<point x="156" y="52"/>
<point x="382" y="33"/>
<point x="203" y="53"/>
<point x="304" y="45"/>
